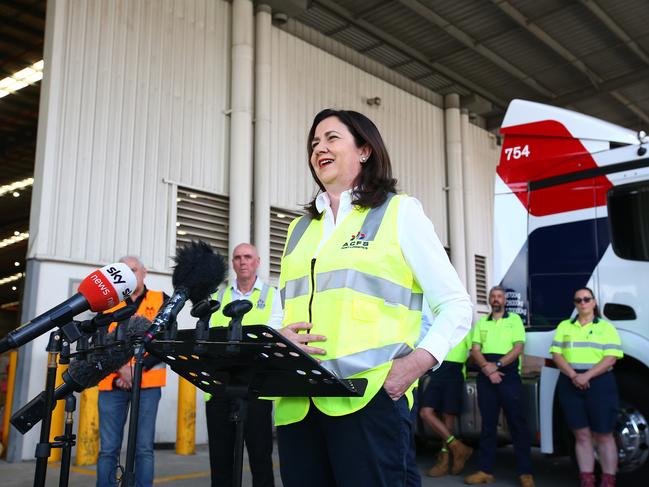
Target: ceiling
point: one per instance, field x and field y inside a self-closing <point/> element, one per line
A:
<point x="22" y="24"/>
<point x="588" y="55"/>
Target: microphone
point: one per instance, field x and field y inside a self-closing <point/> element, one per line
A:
<point x="101" y="290"/>
<point x="197" y="274"/>
<point x="86" y="372"/>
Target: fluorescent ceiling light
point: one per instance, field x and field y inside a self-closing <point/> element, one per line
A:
<point x="10" y="188"/>
<point x="8" y="279"/>
<point x="15" y="238"/>
<point x="22" y="78"/>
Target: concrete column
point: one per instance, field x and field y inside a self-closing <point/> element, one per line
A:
<point x="469" y="234"/>
<point x="263" y="25"/>
<point x="241" y="122"/>
<point x="454" y="182"/>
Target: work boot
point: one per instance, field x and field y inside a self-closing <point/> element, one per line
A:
<point x="607" y="480"/>
<point x="479" y="477"/>
<point x="587" y="479"/>
<point x="526" y="480"/>
<point x="441" y="465"/>
<point x="461" y="454"/>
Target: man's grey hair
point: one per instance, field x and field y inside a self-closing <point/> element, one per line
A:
<point x="132" y="257"/>
<point x="497" y="288"/>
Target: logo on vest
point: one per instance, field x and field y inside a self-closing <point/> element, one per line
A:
<point x="356" y="242"/>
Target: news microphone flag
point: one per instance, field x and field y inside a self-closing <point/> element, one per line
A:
<point x="101" y="290"/>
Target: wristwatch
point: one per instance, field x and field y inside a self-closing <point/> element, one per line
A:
<point x="499" y="364"/>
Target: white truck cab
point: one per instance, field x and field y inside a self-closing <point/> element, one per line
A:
<point x="572" y="210"/>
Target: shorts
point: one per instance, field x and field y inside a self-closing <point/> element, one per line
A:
<point x="444" y="390"/>
<point x="595" y="408"/>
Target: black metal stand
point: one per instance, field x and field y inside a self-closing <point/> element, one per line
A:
<point x="261" y="362"/>
<point x="129" y="469"/>
<point x="43" y="448"/>
<point x="66" y="441"/>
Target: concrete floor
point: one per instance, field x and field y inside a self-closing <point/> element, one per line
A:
<point x="175" y="471"/>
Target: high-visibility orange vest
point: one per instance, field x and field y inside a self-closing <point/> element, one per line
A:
<point x="156" y="376"/>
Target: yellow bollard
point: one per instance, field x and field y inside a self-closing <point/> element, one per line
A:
<point x="186" y="424"/>
<point x="11" y="380"/>
<point x="58" y="416"/>
<point x="88" y="436"/>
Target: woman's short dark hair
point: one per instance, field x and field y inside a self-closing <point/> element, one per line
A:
<point x="375" y="181"/>
<point x="592" y="295"/>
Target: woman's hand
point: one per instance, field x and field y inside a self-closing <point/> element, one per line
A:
<point x="406" y="370"/>
<point x="581" y="381"/>
<point x="291" y="333"/>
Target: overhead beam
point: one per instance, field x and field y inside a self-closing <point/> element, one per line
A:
<point x="616" y="29"/>
<point x="475" y="45"/>
<point x="612" y="84"/>
<point x="409" y="51"/>
<point x="565" y="53"/>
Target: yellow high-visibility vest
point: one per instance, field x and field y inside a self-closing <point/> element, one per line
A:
<point x="359" y="292"/>
<point x="586" y="345"/>
<point x="262" y="304"/>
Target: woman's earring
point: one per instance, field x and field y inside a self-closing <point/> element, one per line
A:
<point x="363" y="159"/>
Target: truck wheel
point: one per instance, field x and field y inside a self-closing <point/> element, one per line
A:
<point x="632" y="429"/>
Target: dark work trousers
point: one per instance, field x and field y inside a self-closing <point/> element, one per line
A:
<point x="508" y="396"/>
<point x="414" y="478"/>
<point x="258" y="437"/>
<point x="367" y="448"/>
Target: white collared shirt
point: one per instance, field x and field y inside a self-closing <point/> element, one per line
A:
<point x="443" y="291"/>
<point x="276" y="312"/>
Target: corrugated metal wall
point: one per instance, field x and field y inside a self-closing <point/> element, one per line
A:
<point x="135" y="93"/>
<point x="482" y="154"/>
<point x="305" y="80"/>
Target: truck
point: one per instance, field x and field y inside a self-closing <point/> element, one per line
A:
<point x="571" y="209"/>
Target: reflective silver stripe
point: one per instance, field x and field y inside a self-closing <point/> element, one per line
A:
<point x="374" y="218"/>
<point x="295" y="288"/>
<point x="299" y="229"/>
<point x="378" y="287"/>
<point x="577" y="365"/>
<point x="261" y="302"/>
<point x="599" y="346"/>
<point x="367" y="359"/>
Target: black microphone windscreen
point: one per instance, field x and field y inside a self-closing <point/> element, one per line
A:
<point x="101" y="363"/>
<point x="199" y="269"/>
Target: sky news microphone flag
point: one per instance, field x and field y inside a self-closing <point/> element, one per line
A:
<point x="101" y="290"/>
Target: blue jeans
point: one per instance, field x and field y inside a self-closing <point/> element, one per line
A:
<point x="113" y="409"/>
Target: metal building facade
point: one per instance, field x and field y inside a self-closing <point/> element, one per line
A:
<point x="135" y="101"/>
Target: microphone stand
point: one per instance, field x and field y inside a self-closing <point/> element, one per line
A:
<point x="44" y="448"/>
<point x="128" y="480"/>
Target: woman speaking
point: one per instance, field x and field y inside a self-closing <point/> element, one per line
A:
<point x="354" y="273"/>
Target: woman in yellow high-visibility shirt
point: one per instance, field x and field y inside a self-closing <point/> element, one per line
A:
<point x="354" y="274"/>
<point x="585" y="349"/>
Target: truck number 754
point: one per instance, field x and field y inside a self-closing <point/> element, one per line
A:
<point x="517" y="152"/>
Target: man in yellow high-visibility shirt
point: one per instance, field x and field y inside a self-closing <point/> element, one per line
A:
<point x="258" y="422"/>
<point x="498" y="341"/>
